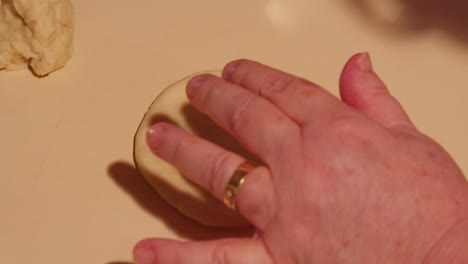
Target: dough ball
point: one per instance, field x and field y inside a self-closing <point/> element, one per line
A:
<point x="189" y="199"/>
<point x="38" y="33"/>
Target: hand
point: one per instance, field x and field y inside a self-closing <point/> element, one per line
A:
<point x="344" y="181"/>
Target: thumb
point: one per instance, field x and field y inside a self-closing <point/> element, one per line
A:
<point x="363" y="90"/>
<point x="224" y="251"/>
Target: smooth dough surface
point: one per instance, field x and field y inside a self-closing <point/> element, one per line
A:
<point x="189" y="199"/>
<point x="38" y="33"/>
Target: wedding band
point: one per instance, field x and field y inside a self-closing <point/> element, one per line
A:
<point x="237" y="179"/>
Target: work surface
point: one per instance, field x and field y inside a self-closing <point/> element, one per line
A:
<point x="69" y="190"/>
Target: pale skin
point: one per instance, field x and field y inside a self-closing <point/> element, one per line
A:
<point x="343" y="180"/>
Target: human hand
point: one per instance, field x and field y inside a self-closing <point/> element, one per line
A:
<point x="343" y="181"/>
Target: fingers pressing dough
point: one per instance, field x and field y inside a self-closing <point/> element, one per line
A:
<point x="189" y="199"/>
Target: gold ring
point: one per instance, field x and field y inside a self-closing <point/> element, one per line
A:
<point x="237" y="179"/>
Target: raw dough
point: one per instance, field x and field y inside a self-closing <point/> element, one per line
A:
<point x="37" y="33"/>
<point x="192" y="201"/>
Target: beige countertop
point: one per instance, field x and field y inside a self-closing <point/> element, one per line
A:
<point x="69" y="190"/>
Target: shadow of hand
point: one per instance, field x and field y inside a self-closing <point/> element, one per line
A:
<point x="412" y="16"/>
<point x="127" y="177"/>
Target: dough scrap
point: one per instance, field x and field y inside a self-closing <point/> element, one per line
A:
<point x="38" y="33"/>
<point x="189" y="199"/>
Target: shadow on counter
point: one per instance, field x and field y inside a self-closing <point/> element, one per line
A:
<point x="129" y="179"/>
<point x="415" y="16"/>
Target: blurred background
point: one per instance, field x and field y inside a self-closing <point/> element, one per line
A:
<point x="413" y="17"/>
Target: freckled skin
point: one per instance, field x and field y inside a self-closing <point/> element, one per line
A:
<point x="398" y="244"/>
<point x="350" y="181"/>
<point x="432" y="155"/>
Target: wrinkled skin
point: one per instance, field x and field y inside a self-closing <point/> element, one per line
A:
<point x="343" y="181"/>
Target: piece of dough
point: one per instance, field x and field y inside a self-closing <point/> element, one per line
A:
<point x="38" y="33"/>
<point x="192" y="201"/>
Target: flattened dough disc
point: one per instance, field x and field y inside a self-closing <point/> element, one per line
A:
<point x="189" y="199"/>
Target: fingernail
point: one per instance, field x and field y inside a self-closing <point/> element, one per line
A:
<point x="364" y="62"/>
<point x="144" y="253"/>
<point x="194" y="83"/>
<point x="229" y="69"/>
<point x="154" y="136"/>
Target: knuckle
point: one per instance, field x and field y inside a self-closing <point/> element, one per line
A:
<point x="239" y="115"/>
<point x="255" y="199"/>
<point x="345" y="125"/>
<point x="279" y="83"/>
<point x="179" y="149"/>
<point x="219" y="169"/>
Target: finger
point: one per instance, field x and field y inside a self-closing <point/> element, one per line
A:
<point x="225" y="251"/>
<point x="301" y="100"/>
<point x="363" y="90"/>
<point x="255" y="122"/>
<point x="211" y="167"/>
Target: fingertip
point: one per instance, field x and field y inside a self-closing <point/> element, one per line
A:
<point x="194" y="83"/>
<point x="362" y="89"/>
<point x="358" y="79"/>
<point x="347" y="75"/>
<point x="359" y="61"/>
<point x="364" y="62"/>
<point x="144" y="251"/>
<point x="231" y="67"/>
<point x="348" y="79"/>
<point x="154" y="136"/>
